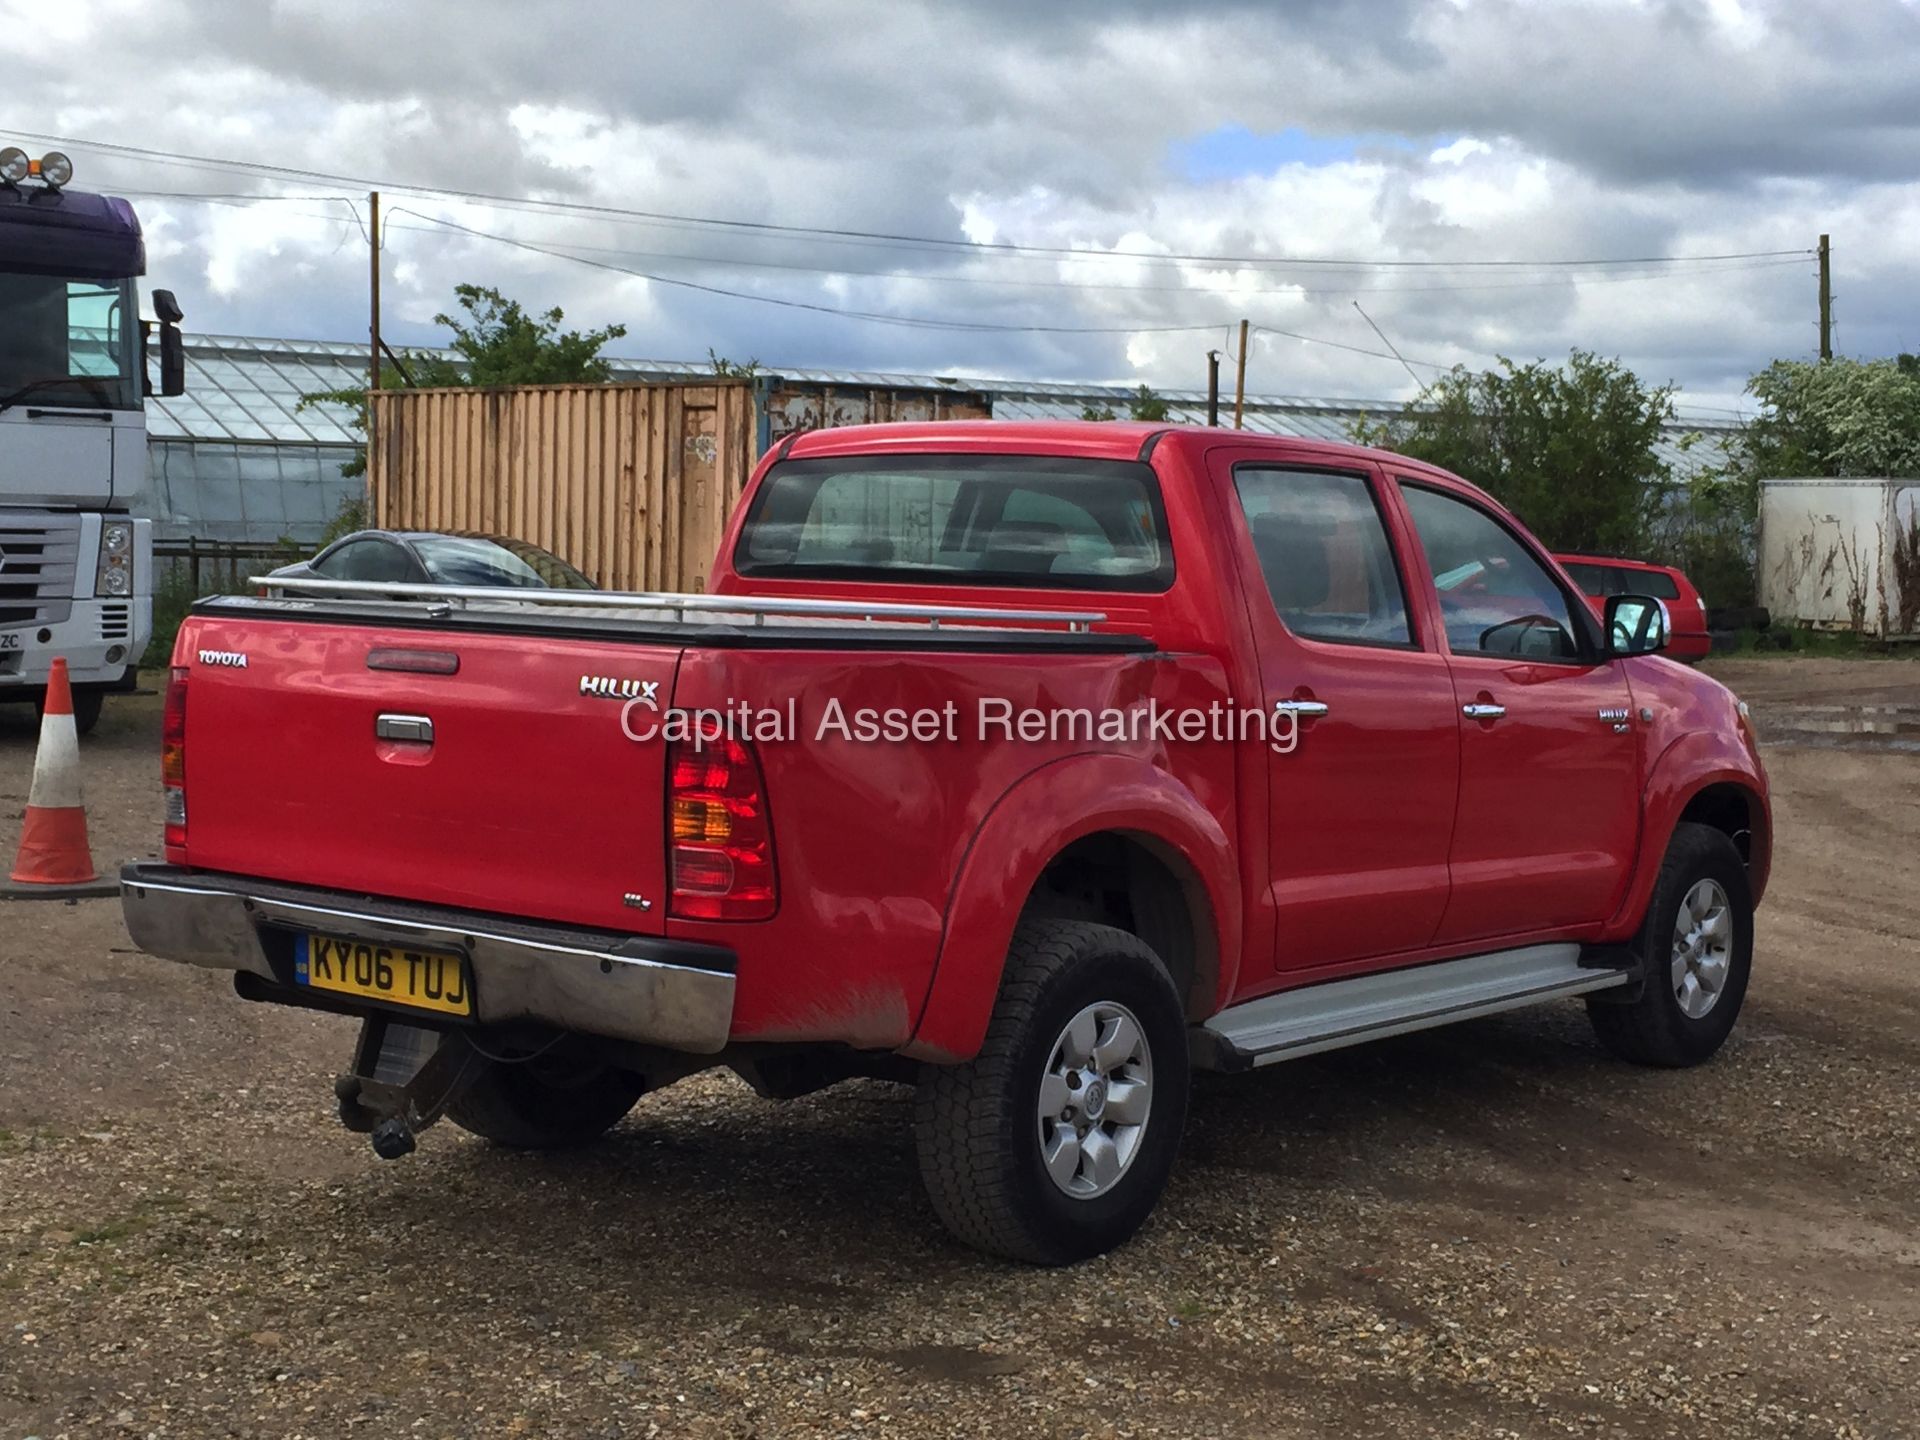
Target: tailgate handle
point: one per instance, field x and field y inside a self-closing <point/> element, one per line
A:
<point x="415" y="728"/>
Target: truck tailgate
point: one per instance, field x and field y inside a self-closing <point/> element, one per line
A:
<point x="529" y="800"/>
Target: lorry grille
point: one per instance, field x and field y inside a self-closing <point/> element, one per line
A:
<point x="38" y="560"/>
<point x="116" y="622"/>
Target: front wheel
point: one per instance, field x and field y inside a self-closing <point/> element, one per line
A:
<point x="1054" y="1143"/>
<point x="1696" y="951"/>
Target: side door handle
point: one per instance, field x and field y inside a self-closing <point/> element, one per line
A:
<point x="1479" y="711"/>
<point x="1305" y="709"/>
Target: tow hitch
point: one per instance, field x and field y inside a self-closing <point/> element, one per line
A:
<point x="403" y="1079"/>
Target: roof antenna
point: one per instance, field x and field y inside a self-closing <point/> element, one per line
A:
<point x="1390" y="345"/>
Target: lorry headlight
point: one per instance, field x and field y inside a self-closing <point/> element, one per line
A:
<point x="115" y="576"/>
<point x="14" y="165"/>
<point x="55" y="168"/>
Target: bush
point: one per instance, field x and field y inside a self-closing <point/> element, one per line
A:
<point x="1569" y="449"/>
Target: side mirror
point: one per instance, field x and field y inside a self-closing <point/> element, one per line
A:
<point x="167" y="308"/>
<point x="1636" y="625"/>
<point x="173" y="360"/>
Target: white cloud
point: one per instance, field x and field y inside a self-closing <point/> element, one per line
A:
<point x="1584" y="128"/>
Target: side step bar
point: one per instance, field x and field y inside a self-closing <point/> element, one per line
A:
<point x="1337" y="1013"/>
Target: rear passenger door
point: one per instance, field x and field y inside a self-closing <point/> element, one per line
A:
<point x="1360" y="812"/>
<point x="1549" y="762"/>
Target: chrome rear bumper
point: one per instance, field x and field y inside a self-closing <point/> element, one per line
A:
<point x="628" y="987"/>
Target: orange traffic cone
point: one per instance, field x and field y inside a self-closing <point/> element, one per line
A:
<point x="53" y="845"/>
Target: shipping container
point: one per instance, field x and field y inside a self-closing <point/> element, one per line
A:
<point x="632" y="484"/>
<point x="1841" y="553"/>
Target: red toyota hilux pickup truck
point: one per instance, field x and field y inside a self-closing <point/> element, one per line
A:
<point x="1037" y="765"/>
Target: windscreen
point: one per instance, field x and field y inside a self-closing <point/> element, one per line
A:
<point x="1026" y="521"/>
<point x="472" y="560"/>
<point x="68" y="342"/>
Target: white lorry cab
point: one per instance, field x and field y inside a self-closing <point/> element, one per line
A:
<point x="76" y="566"/>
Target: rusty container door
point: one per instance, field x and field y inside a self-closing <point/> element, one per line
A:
<point x="631" y="484"/>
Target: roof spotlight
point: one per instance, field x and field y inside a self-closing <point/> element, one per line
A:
<point x="14" y="165"/>
<point x="55" y="168"/>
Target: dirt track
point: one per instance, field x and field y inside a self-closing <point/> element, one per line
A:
<point x="1489" y="1230"/>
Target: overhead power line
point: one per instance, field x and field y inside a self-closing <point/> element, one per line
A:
<point x="843" y="235"/>
<point x="574" y="248"/>
<point x="911" y="322"/>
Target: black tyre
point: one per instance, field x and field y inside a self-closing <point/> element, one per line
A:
<point x="1054" y="1143"/>
<point x="1696" y="945"/>
<point x="86" y="709"/>
<point x="545" y="1105"/>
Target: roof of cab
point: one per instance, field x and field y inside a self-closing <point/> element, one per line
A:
<point x="1095" y="439"/>
<point x="1098" y="439"/>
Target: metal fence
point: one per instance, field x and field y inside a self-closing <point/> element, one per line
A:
<point x="223" y="564"/>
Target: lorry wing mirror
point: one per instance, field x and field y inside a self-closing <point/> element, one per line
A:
<point x="173" y="360"/>
<point x="167" y="308"/>
<point x="1636" y="625"/>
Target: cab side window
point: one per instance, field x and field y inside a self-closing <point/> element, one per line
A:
<point x="1325" y="555"/>
<point x="1495" y="598"/>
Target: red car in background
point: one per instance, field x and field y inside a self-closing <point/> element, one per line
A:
<point x="1599" y="576"/>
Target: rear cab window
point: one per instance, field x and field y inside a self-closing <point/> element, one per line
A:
<point x="1022" y="521"/>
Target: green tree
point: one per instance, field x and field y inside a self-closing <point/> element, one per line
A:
<point x="495" y="342"/>
<point x="1835" y="417"/>
<point x="731" y="369"/>
<point x="1570" y="449"/>
<point x="1142" y="404"/>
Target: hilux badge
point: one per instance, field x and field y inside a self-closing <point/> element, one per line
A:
<point x="608" y="687"/>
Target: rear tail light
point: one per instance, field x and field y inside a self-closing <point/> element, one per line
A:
<point x="173" y="757"/>
<point x="719" y="840"/>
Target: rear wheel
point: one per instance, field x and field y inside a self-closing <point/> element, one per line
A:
<point x="1055" y="1142"/>
<point x="1696" y="948"/>
<point x="545" y="1104"/>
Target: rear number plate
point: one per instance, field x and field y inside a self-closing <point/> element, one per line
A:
<point x="400" y="975"/>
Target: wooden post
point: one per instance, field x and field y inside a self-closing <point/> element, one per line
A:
<point x="1213" y="387"/>
<point x="1826" y="300"/>
<point x="373" y="357"/>
<point x="1240" y="382"/>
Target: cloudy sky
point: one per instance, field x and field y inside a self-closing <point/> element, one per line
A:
<point x="1406" y="141"/>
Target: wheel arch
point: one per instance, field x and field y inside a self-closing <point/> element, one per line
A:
<point x="1140" y="851"/>
<point x="1694" y="783"/>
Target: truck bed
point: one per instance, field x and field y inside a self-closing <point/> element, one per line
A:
<point x="533" y="802"/>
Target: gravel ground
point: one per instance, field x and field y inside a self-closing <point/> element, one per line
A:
<point x="1492" y="1230"/>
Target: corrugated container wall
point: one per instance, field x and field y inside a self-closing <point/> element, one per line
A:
<point x="633" y="484"/>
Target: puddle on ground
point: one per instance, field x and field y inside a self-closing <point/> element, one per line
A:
<point x="1850" y="727"/>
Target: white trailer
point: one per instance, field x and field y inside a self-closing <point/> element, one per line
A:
<point x="1833" y="553"/>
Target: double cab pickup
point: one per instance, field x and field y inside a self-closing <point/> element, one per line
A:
<point x="1034" y="765"/>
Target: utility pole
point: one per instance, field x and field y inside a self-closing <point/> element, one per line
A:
<point x="1240" y="382"/>
<point x="1826" y="300"/>
<point x="373" y="355"/>
<point x="1213" y="387"/>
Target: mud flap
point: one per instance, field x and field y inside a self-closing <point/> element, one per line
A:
<point x="403" y="1079"/>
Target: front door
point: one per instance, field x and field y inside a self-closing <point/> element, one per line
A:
<point x="1549" y="757"/>
<point x="1361" y="807"/>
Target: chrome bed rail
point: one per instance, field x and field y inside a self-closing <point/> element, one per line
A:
<point x="444" y="599"/>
